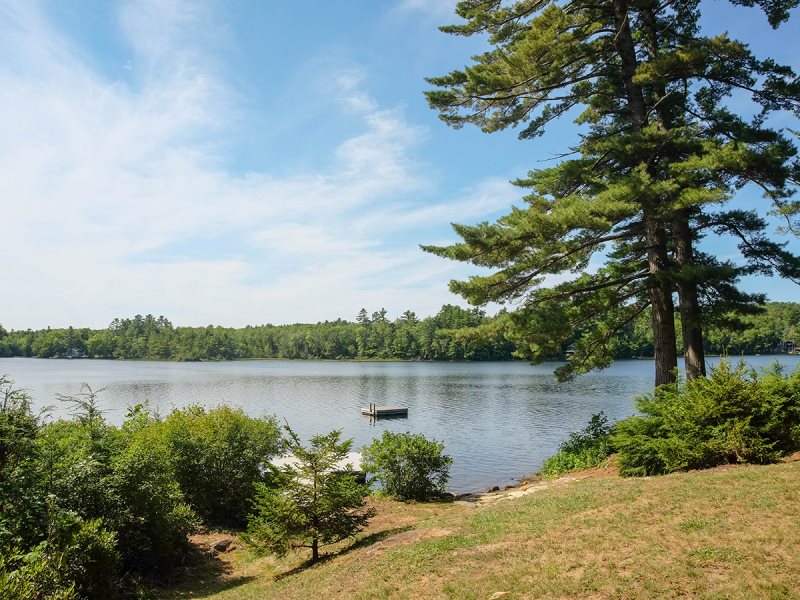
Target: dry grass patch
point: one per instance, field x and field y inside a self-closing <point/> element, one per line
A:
<point x="726" y="533"/>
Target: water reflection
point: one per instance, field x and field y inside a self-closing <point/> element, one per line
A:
<point x="498" y="420"/>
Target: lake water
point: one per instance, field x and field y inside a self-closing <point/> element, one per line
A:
<point x="499" y="421"/>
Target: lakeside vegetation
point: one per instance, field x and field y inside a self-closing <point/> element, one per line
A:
<point x="735" y="415"/>
<point x="454" y="333"/>
<point x="90" y="510"/>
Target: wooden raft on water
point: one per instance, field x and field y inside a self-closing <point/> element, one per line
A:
<point x="382" y="410"/>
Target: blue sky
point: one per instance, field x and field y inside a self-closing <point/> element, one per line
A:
<point x="250" y="162"/>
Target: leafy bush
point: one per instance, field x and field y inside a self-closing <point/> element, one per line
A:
<point x="125" y="478"/>
<point x="22" y="506"/>
<point x="77" y="462"/>
<point x="87" y="555"/>
<point x="34" y="575"/>
<point x="77" y="560"/>
<point x="735" y="415"/>
<point x="409" y="466"/>
<point x="311" y="502"/>
<point x="582" y="450"/>
<point x="152" y="520"/>
<point x="218" y="455"/>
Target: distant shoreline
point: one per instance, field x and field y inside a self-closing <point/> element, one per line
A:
<point x="370" y="360"/>
<point x="274" y="359"/>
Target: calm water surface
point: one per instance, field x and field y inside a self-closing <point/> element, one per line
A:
<point x="499" y="421"/>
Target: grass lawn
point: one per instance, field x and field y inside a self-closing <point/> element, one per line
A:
<point x="731" y="532"/>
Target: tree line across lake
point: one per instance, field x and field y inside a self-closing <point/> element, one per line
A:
<point x="454" y="333"/>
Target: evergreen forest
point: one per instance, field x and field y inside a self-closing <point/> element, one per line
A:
<point x="453" y="334"/>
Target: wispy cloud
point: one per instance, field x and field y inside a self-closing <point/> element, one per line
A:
<point x="103" y="178"/>
<point x="436" y="8"/>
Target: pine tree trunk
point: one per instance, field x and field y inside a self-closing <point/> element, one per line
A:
<point x="693" y="352"/>
<point x="314" y="550"/>
<point x="664" y="342"/>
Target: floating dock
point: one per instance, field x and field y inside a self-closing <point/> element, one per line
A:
<point x="382" y="410"/>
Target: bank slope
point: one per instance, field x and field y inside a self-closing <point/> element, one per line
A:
<point x="725" y="533"/>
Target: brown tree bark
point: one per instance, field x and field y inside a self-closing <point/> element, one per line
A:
<point x="664" y="342"/>
<point x="688" y="304"/>
<point x="691" y="316"/>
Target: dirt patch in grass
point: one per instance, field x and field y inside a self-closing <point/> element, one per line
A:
<point x="407" y="537"/>
<point x="215" y="541"/>
<point x="794" y="457"/>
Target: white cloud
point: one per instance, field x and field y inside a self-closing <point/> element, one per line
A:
<point x="114" y="193"/>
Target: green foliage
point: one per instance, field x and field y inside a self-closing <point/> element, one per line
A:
<point x="76" y="461"/>
<point x="85" y="405"/>
<point x="452" y="334"/>
<point x="22" y="506"/>
<point x="736" y="415"/>
<point x="18" y="428"/>
<point x="376" y="336"/>
<point x="408" y="465"/>
<point x="78" y="559"/>
<point x="311" y="501"/>
<point x="83" y="502"/>
<point x="35" y="575"/>
<point x="664" y="141"/>
<point x="218" y="455"/>
<point x="582" y="450"/>
<point x="762" y="333"/>
<point x="152" y="520"/>
<point x="126" y="479"/>
<point x="87" y="554"/>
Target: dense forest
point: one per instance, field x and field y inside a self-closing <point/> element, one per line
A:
<point x="454" y="333"/>
<point x="372" y="336"/>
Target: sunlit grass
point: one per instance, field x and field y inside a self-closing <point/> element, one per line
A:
<point x="728" y="533"/>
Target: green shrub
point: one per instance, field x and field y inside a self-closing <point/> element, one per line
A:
<point x="77" y="462"/>
<point x="34" y="575"/>
<point x="79" y="498"/>
<point x="582" y="450"/>
<point x="88" y="555"/>
<point x="734" y="415"/>
<point x="218" y="454"/>
<point x="126" y="479"/>
<point x="151" y="519"/>
<point x="22" y="506"/>
<point x="77" y="560"/>
<point x="409" y="466"/>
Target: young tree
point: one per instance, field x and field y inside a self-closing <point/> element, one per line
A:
<point x="659" y="148"/>
<point x="312" y="501"/>
<point x="85" y="405"/>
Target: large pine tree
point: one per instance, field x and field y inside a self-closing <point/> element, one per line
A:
<point x="661" y="153"/>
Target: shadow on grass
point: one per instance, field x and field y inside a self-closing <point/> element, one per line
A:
<point x="374" y="538"/>
<point x="364" y="542"/>
<point x="203" y="574"/>
<point x="443" y="499"/>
